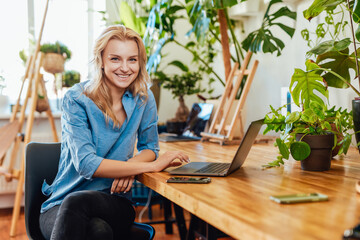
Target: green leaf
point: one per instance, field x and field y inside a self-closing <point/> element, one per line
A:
<point x="306" y="84"/>
<point x="318" y="109"/>
<point x="300" y="150"/>
<point x="180" y="65"/>
<point x="318" y="6"/>
<point x="308" y="116"/>
<point x="338" y="62"/>
<point x="356" y="11"/>
<point x="284" y="151"/>
<point x="289" y="30"/>
<point x="284" y="11"/>
<point x="329" y="46"/>
<point x="357" y="33"/>
<point x="129" y="18"/>
<point x="292" y="117"/>
<point x="263" y="39"/>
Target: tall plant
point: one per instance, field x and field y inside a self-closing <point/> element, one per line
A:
<point x="335" y="57"/>
<point x="204" y="18"/>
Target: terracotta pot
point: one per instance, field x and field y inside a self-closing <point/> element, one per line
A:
<point x="321" y="151"/>
<point x="182" y="112"/>
<point x="356" y="118"/>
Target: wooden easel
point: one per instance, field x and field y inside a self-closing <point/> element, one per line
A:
<point x="11" y="133"/>
<point x="219" y="131"/>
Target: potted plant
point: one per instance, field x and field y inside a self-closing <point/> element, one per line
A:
<point x="310" y="136"/>
<point x="313" y="132"/>
<point x="41" y="104"/>
<point x="180" y="85"/>
<point x="337" y="57"/>
<point x="70" y="78"/>
<point x="55" y="56"/>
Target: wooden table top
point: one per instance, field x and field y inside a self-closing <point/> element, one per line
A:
<point x="239" y="204"/>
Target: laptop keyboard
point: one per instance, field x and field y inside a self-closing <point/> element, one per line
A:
<point x="214" y="168"/>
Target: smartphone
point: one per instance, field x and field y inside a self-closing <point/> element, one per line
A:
<point x="189" y="180"/>
<point x="299" y="198"/>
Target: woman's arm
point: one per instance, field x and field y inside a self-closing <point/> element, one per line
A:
<point x="141" y="163"/>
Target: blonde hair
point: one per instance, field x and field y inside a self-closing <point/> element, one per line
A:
<point x="97" y="90"/>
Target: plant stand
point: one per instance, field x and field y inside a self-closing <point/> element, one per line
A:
<point x="11" y="134"/>
<point x="219" y="131"/>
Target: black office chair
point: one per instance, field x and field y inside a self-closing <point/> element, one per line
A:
<point x="41" y="162"/>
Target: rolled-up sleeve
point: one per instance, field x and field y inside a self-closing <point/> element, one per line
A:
<point x="148" y="132"/>
<point x="77" y="137"/>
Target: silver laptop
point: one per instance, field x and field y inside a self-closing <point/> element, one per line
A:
<point x="223" y="169"/>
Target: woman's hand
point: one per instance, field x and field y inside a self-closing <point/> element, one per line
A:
<point x="168" y="160"/>
<point x="122" y="184"/>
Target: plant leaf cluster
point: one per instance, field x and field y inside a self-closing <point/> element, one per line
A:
<point x="314" y="120"/>
<point x="183" y="84"/>
<point x="334" y="58"/>
<point x="70" y="78"/>
<point x="263" y="39"/>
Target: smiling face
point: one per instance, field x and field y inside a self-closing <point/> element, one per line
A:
<point x="120" y="64"/>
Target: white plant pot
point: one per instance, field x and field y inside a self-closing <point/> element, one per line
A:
<point x="244" y="9"/>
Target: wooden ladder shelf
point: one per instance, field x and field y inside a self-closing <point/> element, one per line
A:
<point x="219" y="130"/>
<point x="11" y="134"/>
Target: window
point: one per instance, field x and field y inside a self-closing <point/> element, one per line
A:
<point x="72" y="22"/>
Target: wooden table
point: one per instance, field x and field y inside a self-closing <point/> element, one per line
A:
<point x="239" y="204"/>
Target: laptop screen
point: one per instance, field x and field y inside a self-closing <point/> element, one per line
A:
<point x="198" y="117"/>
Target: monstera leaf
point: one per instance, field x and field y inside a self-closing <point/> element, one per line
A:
<point x="263" y="37"/>
<point x="306" y="83"/>
<point x="338" y="62"/>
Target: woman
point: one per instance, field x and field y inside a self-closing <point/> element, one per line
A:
<point x="101" y="121"/>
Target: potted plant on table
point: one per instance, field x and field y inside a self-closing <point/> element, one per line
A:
<point x="310" y="135"/>
<point x="337" y="57"/>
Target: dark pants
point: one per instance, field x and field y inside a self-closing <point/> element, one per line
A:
<point x="89" y="215"/>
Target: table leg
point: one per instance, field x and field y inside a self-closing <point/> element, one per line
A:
<point x="193" y="226"/>
<point x="167" y="215"/>
<point x="180" y="220"/>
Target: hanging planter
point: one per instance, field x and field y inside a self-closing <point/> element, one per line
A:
<point x="41" y="104"/>
<point x="53" y="63"/>
<point x="55" y="56"/>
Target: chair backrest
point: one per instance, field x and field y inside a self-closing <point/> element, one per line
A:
<point x="41" y="163"/>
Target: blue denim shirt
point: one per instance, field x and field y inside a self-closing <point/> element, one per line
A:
<point x="87" y="139"/>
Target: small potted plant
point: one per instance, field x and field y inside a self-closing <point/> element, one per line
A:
<point x="55" y="56"/>
<point x="311" y="134"/>
<point x="70" y="78"/>
<point x="181" y="85"/>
